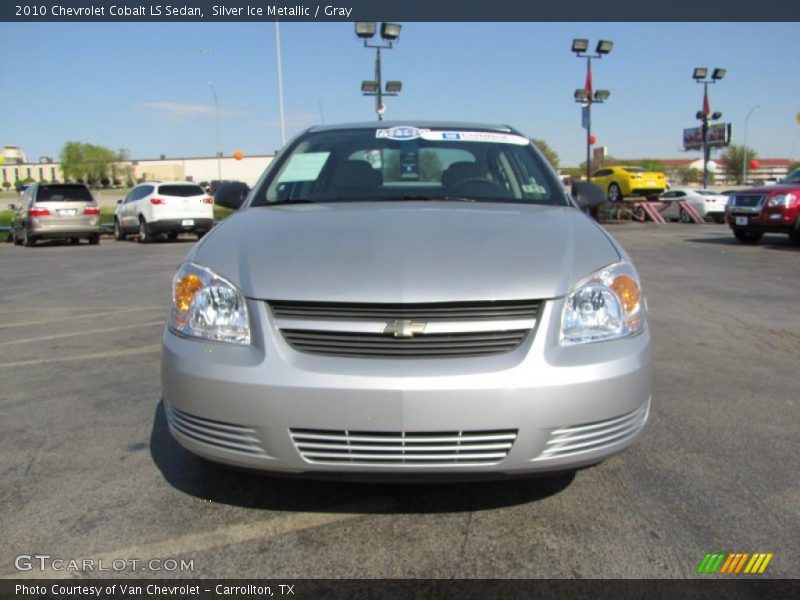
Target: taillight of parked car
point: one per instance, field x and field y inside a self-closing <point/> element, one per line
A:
<point x="91" y="210"/>
<point x="157" y="201"/>
<point x="38" y="212"/>
<point x="208" y="200"/>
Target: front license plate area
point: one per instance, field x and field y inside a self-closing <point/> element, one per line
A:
<point x="742" y="220"/>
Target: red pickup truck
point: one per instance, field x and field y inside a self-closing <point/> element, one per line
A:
<point x="769" y="209"/>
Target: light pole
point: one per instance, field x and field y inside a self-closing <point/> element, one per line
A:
<point x="744" y="148"/>
<point x="390" y="32"/>
<point x="700" y="75"/>
<point x="586" y="96"/>
<point x="280" y="82"/>
<point x="216" y="129"/>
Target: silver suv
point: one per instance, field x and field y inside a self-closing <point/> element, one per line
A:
<point x="55" y="211"/>
<point x="412" y="299"/>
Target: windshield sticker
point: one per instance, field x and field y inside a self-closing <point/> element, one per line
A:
<point x="304" y="167"/>
<point x="401" y="132"/>
<point x="533" y="188"/>
<point x="475" y="136"/>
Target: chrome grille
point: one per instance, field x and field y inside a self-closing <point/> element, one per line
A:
<point x="403" y="448"/>
<point x="507" y="309"/>
<point x="334" y="343"/>
<point x="215" y="433"/>
<point x="569" y="441"/>
<point x="747" y="202"/>
<point x="432" y="330"/>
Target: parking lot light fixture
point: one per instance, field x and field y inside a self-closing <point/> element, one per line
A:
<point x="587" y="96"/>
<point x="604" y="46"/>
<point x="700" y="75"/>
<point x="580" y="45"/>
<point x="366" y="29"/>
<point x="390" y="33"/>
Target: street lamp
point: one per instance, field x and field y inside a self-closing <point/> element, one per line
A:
<point x="390" y="33"/>
<point x="587" y="96"/>
<point x="700" y="75"/>
<point x="744" y="149"/>
<point x="216" y="128"/>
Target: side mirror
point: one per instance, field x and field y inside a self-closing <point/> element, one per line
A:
<point x="119" y="201"/>
<point x="588" y="195"/>
<point x="231" y="194"/>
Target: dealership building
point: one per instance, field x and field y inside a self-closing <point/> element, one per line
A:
<point x="16" y="167"/>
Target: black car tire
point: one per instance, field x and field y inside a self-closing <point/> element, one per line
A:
<point x="14" y="239"/>
<point x="747" y="237"/>
<point x="614" y="193"/>
<point x="27" y="240"/>
<point x="119" y="234"/>
<point x="94" y="239"/>
<point x="172" y="236"/>
<point x="794" y="234"/>
<point x="75" y="240"/>
<point x="200" y="234"/>
<point x="145" y="235"/>
<point x="685" y="217"/>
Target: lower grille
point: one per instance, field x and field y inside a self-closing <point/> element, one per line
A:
<point x="214" y="433"/>
<point x="569" y="441"/>
<point x="403" y="448"/>
<point x="336" y="343"/>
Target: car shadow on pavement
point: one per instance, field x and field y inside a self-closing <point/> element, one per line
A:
<point x="216" y="483"/>
<point x="776" y="242"/>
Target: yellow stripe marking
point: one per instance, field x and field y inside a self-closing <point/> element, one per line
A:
<point x="751" y="563"/>
<point x="765" y="563"/>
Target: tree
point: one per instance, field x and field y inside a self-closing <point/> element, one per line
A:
<point x="598" y="163"/>
<point x="650" y="164"/>
<point x="6" y="184"/>
<point x="689" y="174"/>
<point x="548" y="152"/>
<point x="732" y="159"/>
<point x="88" y="162"/>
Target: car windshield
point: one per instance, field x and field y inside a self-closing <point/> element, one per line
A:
<point x="406" y="163"/>
<point x="793" y="177"/>
<point x="63" y="193"/>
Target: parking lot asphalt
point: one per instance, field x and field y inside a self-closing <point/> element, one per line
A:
<point x="89" y="470"/>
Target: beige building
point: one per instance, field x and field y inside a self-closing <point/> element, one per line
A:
<point x="14" y="168"/>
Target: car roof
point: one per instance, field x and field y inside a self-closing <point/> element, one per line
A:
<point x="414" y="123"/>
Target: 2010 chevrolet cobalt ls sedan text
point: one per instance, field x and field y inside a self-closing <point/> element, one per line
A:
<point x="407" y="298"/>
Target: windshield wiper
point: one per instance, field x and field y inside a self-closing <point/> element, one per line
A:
<point x="428" y="198"/>
<point x="290" y="201"/>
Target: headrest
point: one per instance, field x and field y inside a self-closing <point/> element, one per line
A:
<point x="358" y="174"/>
<point x="459" y="171"/>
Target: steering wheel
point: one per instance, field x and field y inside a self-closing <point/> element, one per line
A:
<point x="473" y="186"/>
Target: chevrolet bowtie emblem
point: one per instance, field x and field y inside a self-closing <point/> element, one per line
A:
<point x="404" y="329"/>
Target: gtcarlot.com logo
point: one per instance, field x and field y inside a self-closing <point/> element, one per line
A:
<point x="734" y="563"/>
<point x="46" y="562"/>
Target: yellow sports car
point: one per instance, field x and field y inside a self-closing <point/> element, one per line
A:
<point x="619" y="182"/>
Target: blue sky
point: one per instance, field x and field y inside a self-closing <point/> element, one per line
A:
<point x="144" y="86"/>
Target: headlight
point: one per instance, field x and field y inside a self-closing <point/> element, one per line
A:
<point x="784" y="200"/>
<point x="206" y="306"/>
<point x="606" y="305"/>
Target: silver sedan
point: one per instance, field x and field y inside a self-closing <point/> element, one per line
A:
<point x="407" y="299"/>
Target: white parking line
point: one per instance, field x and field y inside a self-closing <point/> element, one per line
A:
<point x="87" y="332"/>
<point x="99" y="355"/>
<point x="229" y="535"/>
<point x="91" y="316"/>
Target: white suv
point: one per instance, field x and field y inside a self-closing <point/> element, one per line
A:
<point x="172" y="207"/>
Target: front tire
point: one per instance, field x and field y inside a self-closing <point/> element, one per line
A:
<point x="145" y="235"/>
<point x="794" y="234"/>
<point x="747" y="237"/>
<point x="14" y="237"/>
<point x="685" y="217"/>
<point x="614" y="193"/>
<point x="119" y="234"/>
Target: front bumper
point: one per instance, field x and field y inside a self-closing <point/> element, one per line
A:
<point x="769" y="221"/>
<point x="567" y="407"/>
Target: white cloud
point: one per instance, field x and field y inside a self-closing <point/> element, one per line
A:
<point x="175" y="111"/>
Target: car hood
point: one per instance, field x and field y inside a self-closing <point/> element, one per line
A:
<point x="775" y="188"/>
<point x="405" y="252"/>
